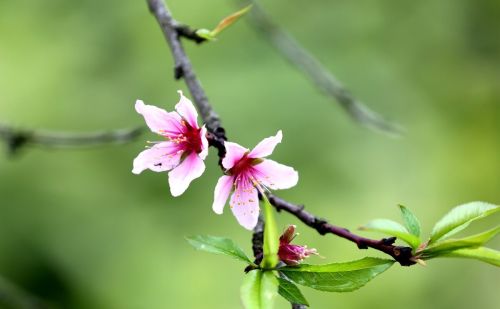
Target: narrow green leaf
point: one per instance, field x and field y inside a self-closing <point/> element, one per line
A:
<point x="337" y="277"/>
<point x="291" y="292"/>
<point x="482" y="253"/>
<point x="443" y="247"/>
<point x="259" y="289"/>
<point x="460" y="217"/>
<point x="411" y="222"/>
<point x="271" y="236"/>
<point x="231" y="19"/>
<point x="392" y="228"/>
<point x="218" y="245"/>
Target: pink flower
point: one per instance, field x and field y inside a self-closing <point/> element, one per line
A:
<point x="184" y="150"/>
<point x="248" y="172"/>
<point x="292" y="254"/>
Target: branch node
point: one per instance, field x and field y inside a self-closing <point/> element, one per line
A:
<point x="178" y="72"/>
<point x="320" y="225"/>
<point x="404" y="256"/>
<point x="16" y="141"/>
<point x="361" y="245"/>
<point x="388" y="241"/>
<point x="220" y="132"/>
<point x="186" y="32"/>
<point x="250" y="268"/>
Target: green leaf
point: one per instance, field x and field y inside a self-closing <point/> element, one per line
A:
<point x="337" y="277"/>
<point x="460" y="217"/>
<point x="231" y="19"/>
<point x="271" y="237"/>
<point x="411" y="222"/>
<point x="291" y="292"/>
<point x="259" y="289"/>
<point x="482" y="253"/>
<point x="218" y="245"/>
<point x="443" y="247"/>
<point x="392" y="228"/>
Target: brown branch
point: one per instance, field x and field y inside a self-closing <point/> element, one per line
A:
<point x="258" y="240"/>
<point x="183" y="67"/>
<point x="17" y="138"/>
<point x="217" y="137"/>
<point x="401" y="254"/>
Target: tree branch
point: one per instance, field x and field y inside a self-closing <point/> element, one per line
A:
<point x="16" y="138"/>
<point x="183" y="67"/>
<point x="403" y="255"/>
<point x="217" y="137"/>
<point x="320" y="77"/>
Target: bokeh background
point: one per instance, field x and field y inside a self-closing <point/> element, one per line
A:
<point x="79" y="230"/>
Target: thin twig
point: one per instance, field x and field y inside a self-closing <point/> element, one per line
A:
<point x="401" y="254"/>
<point x="323" y="79"/>
<point x="17" y="138"/>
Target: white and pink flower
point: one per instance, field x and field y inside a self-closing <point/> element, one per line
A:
<point x="248" y="172"/>
<point x="185" y="147"/>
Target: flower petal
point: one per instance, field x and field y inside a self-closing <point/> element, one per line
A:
<point x="186" y="109"/>
<point x="275" y="175"/>
<point x="221" y="193"/>
<point x="180" y="177"/>
<point x="204" y="143"/>
<point x="245" y="205"/>
<point x="158" y="120"/>
<point x="234" y="153"/>
<point x="161" y="157"/>
<point x="266" y="146"/>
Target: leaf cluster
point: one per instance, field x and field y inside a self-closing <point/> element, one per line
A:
<point x="439" y="243"/>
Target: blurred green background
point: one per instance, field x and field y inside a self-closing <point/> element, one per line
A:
<point x="79" y="230"/>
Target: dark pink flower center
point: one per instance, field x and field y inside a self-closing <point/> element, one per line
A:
<point x="192" y="139"/>
<point x="241" y="166"/>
